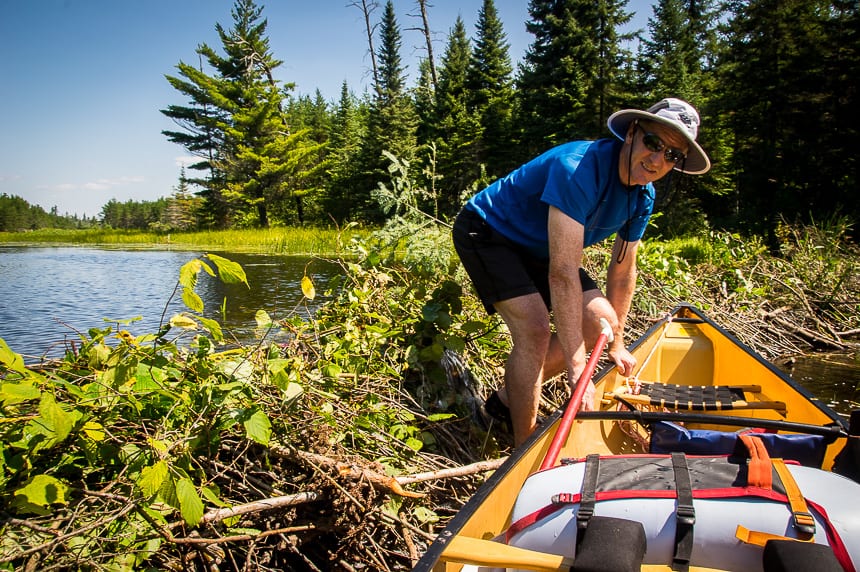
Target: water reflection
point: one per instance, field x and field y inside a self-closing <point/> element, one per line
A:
<point x="834" y="378"/>
<point x="49" y="294"/>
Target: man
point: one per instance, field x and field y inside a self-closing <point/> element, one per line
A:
<point x="521" y="241"/>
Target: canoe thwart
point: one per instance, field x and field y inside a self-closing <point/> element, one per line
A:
<point x="696" y="397"/>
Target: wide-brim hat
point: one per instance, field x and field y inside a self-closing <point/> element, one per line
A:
<point x="674" y="113"/>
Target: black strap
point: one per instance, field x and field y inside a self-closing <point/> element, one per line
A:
<point x="587" y="496"/>
<point x="685" y="514"/>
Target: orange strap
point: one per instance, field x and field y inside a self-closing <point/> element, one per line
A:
<point x="759" y="473"/>
<point x="748" y="536"/>
<point x="803" y="520"/>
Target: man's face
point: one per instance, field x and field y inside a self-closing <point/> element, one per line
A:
<point x="648" y="152"/>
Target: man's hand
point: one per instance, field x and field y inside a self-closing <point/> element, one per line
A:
<point x="587" y="403"/>
<point x="623" y="360"/>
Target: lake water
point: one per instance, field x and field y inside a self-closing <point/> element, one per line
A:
<point x="47" y="295"/>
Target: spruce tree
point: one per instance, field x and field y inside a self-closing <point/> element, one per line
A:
<point x="455" y="128"/>
<point x="345" y="138"/>
<point x="392" y="120"/>
<point x="570" y="78"/>
<point x="673" y="63"/>
<point x="491" y="94"/>
<point x="779" y="94"/>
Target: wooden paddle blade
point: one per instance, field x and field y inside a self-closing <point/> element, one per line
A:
<point x="466" y="550"/>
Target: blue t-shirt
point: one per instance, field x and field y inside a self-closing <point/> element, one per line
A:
<point x="580" y="179"/>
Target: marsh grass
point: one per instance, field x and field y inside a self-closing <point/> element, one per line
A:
<point x="321" y="241"/>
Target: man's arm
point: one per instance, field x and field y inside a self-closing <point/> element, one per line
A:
<point x="620" y="285"/>
<point x="566" y="238"/>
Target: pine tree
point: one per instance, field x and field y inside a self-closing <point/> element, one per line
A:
<point x="255" y="163"/>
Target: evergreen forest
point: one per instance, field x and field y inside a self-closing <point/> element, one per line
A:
<point x="774" y="82"/>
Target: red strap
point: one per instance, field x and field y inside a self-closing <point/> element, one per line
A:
<point x="833" y="539"/>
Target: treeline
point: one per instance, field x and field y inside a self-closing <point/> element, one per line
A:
<point x="17" y="215"/>
<point x="178" y="212"/>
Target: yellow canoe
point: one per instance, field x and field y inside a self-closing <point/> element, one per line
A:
<point x="686" y="351"/>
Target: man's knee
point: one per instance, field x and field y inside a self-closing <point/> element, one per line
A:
<point x="596" y="308"/>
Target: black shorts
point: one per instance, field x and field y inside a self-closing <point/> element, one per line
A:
<point x="499" y="268"/>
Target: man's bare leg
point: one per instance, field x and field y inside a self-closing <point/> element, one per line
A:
<point x="524" y="373"/>
<point x="528" y="321"/>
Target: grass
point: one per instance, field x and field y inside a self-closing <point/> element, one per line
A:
<point x="263" y="241"/>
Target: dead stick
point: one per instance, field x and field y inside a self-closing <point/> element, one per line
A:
<point x="462" y="471"/>
<point x="350" y="470"/>
<point x="220" y="514"/>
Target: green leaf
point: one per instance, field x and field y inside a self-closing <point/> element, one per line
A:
<point x="213" y="327"/>
<point x="211" y="493"/>
<point x="190" y="505"/>
<point x="53" y="421"/>
<point x="192" y="300"/>
<point x="308" y="288"/>
<point x="188" y="273"/>
<point x="14" y="393"/>
<point x="392" y="506"/>
<point x="149" y="378"/>
<point x="414" y="444"/>
<point x="258" y="427"/>
<point x="152" y="477"/>
<point x="292" y="393"/>
<point x="263" y="319"/>
<point x="331" y="370"/>
<point x="440" y="416"/>
<point x="183" y="321"/>
<point x="10" y="359"/>
<point x="94" y="430"/>
<point x="39" y="493"/>
<point x="230" y="272"/>
<point x="240" y="369"/>
<point x="425" y="515"/>
<point x="167" y="493"/>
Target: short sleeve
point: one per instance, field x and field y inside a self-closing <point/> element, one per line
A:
<point x="565" y="189"/>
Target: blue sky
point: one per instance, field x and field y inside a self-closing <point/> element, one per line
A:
<point x="82" y="81"/>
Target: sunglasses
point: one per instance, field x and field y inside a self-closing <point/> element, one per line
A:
<point x="654" y="144"/>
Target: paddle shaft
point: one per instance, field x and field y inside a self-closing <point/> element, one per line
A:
<point x="566" y="423"/>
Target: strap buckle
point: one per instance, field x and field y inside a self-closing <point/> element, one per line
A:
<point x="686" y="514"/>
<point x="583" y="515"/>
<point x="804" y="522"/>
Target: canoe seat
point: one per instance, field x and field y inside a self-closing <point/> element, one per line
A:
<point x="694" y="397"/>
